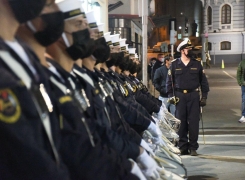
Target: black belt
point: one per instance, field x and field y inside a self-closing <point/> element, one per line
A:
<point x="187" y="90"/>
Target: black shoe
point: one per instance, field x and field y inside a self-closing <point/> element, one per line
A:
<point x="193" y="152"/>
<point x="184" y="152"/>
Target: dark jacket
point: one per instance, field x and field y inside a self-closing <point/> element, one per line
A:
<point x="240" y="76"/>
<point x="157" y="65"/>
<point x="159" y="80"/>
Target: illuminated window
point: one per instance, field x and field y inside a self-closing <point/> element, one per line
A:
<point x="209" y="15"/>
<point x="225" y="45"/>
<point x="226" y="14"/>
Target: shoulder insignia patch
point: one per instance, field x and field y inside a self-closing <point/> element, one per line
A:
<point x="10" y="110"/>
<point x="169" y="72"/>
<point x="65" y="99"/>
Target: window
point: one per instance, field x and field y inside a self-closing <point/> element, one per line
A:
<point x="209" y="15"/>
<point x="226" y="14"/>
<point x="209" y="46"/>
<point x="225" y="45"/>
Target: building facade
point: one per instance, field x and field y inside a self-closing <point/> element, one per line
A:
<point x="224" y="30"/>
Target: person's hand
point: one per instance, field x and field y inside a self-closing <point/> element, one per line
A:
<point x="136" y="170"/>
<point x="173" y="100"/>
<point x="156" y="133"/>
<point x="146" y="147"/>
<point x="160" y="115"/>
<point x="148" y="166"/>
<point x="203" y="102"/>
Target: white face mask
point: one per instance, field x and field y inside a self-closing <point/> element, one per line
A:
<point x="162" y="59"/>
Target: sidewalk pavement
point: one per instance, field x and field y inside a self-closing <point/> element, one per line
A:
<point x="216" y="161"/>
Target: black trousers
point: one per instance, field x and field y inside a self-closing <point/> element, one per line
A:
<point x="188" y="111"/>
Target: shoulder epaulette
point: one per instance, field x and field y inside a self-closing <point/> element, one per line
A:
<point x="174" y="60"/>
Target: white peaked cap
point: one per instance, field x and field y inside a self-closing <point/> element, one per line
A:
<point x="58" y="1"/>
<point x="91" y="19"/>
<point x="127" y="46"/>
<point x="70" y="8"/>
<point x="184" y="44"/>
<point x="115" y="39"/>
<point x="136" y="55"/>
<point x="107" y="37"/>
<point x="101" y="27"/>
<point x="122" y="42"/>
<point x="131" y="51"/>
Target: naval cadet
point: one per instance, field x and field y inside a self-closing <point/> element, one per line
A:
<point x="185" y="79"/>
<point x="28" y="141"/>
<point x="81" y="150"/>
<point x="66" y="51"/>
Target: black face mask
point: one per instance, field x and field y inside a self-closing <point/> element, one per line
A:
<point x="130" y="64"/>
<point x="102" y="50"/>
<point x="120" y="58"/>
<point x="83" y="45"/>
<point x="25" y="10"/>
<point x="190" y="54"/>
<point x="125" y="63"/>
<point x="112" y="61"/>
<point x="133" y="68"/>
<point x="53" y="30"/>
<point x="139" y="68"/>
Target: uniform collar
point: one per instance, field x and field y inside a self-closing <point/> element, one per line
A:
<point x="189" y="64"/>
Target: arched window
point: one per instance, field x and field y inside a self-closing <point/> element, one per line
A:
<point x="226" y="14"/>
<point x="225" y="45"/>
<point x="209" y="15"/>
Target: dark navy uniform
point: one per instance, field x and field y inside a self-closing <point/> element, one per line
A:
<point x="186" y="82"/>
<point x="141" y="88"/>
<point x="118" y="122"/>
<point x="135" y="114"/>
<point x="119" y="143"/>
<point x="145" y="100"/>
<point x="82" y="149"/>
<point x="26" y="150"/>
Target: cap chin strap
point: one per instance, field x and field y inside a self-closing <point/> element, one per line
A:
<point x="31" y="26"/>
<point x="64" y="37"/>
<point x="185" y="54"/>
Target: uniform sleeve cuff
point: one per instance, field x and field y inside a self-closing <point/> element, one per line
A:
<point x="170" y="95"/>
<point x="205" y="95"/>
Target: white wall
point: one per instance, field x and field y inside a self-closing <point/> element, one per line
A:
<point x="236" y="40"/>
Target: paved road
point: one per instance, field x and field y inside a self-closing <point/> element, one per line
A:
<point x="223" y="155"/>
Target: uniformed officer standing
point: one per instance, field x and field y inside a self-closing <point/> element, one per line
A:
<point x="185" y="76"/>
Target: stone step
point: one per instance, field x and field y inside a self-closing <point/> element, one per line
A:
<point x="222" y="139"/>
